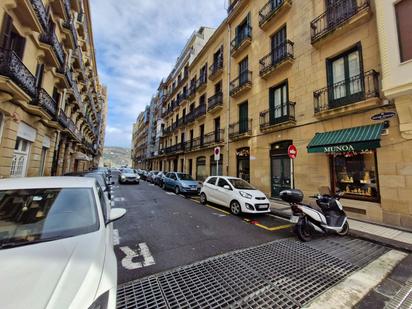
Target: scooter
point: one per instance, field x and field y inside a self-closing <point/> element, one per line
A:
<point x="328" y="218"/>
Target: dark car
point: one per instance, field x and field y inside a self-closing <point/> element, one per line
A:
<point x="151" y="176"/>
<point x="159" y="178"/>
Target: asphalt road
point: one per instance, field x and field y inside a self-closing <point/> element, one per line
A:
<point x="162" y="230"/>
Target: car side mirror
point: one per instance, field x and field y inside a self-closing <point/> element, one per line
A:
<point x="116" y="214"/>
<point x="227" y="187"/>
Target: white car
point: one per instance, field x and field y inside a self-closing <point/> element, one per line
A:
<point x="235" y="193"/>
<point x="56" y="244"/>
<point x="129" y="175"/>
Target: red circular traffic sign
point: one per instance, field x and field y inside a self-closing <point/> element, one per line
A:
<point x="217" y="150"/>
<point x="292" y="151"/>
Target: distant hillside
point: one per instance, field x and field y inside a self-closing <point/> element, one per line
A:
<point x="116" y="156"/>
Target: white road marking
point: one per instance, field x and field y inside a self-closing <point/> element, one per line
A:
<point x="127" y="261"/>
<point x="116" y="237"/>
<point x="219" y="215"/>
<point x="119" y="199"/>
<point x="170" y="193"/>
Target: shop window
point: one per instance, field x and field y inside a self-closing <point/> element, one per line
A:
<point x="243" y="163"/>
<point x="404" y="22"/>
<point x="356" y="175"/>
<point x="201" y="173"/>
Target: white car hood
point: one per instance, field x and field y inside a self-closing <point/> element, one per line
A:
<point x="57" y="274"/>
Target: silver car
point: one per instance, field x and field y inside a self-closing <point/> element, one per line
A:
<point x="127" y="175"/>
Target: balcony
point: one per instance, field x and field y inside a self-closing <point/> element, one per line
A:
<point x="200" y="112"/>
<point x="279" y="57"/>
<point x="57" y="54"/>
<point x="175" y="125"/>
<point x="72" y="37"/>
<point x="241" y="41"/>
<point x="344" y="97"/>
<point x="215" y="102"/>
<point x="32" y="13"/>
<point x="241" y="129"/>
<point x="63" y="119"/>
<point x="241" y="84"/>
<point x="271" y="10"/>
<point x="339" y="17"/>
<point x="60" y="8"/>
<point x="46" y="102"/>
<point x="216" y="69"/>
<point x="232" y="6"/>
<point x="15" y="77"/>
<point x="167" y="130"/>
<point x="201" y="83"/>
<point x="213" y="138"/>
<point x="191" y="92"/>
<point x="280" y="117"/>
<point x="190" y="117"/>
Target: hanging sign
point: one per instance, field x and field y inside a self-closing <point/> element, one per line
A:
<point x="383" y="116"/>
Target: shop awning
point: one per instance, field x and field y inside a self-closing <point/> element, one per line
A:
<point x="346" y="140"/>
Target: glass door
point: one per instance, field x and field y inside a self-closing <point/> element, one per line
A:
<point x="20" y="157"/>
<point x="278" y="108"/>
<point x="243" y="71"/>
<point x="243" y="118"/>
<point x="278" y="45"/>
<point x="281" y="174"/>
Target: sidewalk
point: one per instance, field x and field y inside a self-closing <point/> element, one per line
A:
<point x="376" y="233"/>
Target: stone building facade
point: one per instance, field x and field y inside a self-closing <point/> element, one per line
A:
<point x="52" y="105"/>
<point x="319" y="75"/>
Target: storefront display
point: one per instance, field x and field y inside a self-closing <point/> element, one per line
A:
<point x="355" y="174"/>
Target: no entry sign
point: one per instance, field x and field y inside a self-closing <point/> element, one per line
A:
<point x="292" y="151"/>
<point x="217" y="153"/>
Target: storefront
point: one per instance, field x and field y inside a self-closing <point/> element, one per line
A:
<point x="216" y="168"/>
<point x="201" y="173"/>
<point x="352" y="158"/>
<point x="243" y="163"/>
<point x="281" y="167"/>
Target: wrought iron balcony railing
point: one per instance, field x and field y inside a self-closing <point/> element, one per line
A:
<point x="232" y="5"/>
<point x="278" y="115"/>
<point x="62" y="118"/>
<point x="335" y="16"/>
<point x="240" y="128"/>
<point x="67" y="9"/>
<point x="215" y="101"/>
<point x="192" y="91"/>
<point x="12" y="67"/>
<point x="50" y="38"/>
<point x="355" y="89"/>
<point x="46" y="102"/>
<point x="242" y="36"/>
<point x="213" y="138"/>
<point x="68" y="24"/>
<point x="190" y="117"/>
<point x="244" y="79"/>
<point x="41" y="13"/>
<point x="216" y="68"/>
<point x="270" y="9"/>
<point x="276" y="57"/>
<point x="200" y="110"/>
<point x="201" y="82"/>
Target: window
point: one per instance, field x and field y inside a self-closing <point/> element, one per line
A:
<point x="202" y="134"/>
<point x="212" y="180"/>
<point x="403" y="11"/>
<point x="202" y="100"/>
<point x="243" y="31"/>
<point x="10" y="38"/>
<point x="217" y="129"/>
<point x="243" y="71"/>
<point x="278" y="103"/>
<point x="201" y="168"/>
<point x="218" y="87"/>
<point x="338" y="11"/>
<point x="43" y="160"/>
<point x="356" y="175"/>
<point x="190" y="167"/>
<point x="345" y="78"/>
<point x="20" y="157"/>
<point x="39" y="75"/>
<point x="222" y="182"/>
<point x="278" y="45"/>
<point x="243" y="118"/>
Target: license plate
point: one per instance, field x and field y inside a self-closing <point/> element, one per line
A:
<point x="294" y="219"/>
<point x="262" y="207"/>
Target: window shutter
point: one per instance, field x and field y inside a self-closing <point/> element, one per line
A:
<point x="39" y="75"/>
<point x="6" y="32"/>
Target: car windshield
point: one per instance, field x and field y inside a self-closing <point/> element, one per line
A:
<point x="184" y="176"/>
<point x="240" y="184"/>
<point x="35" y="215"/>
<point x="128" y="171"/>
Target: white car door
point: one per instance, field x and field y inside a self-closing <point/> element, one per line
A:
<point x="209" y="188"/>
<point x="223" y="195"/>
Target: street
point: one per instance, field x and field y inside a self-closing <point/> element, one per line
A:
<point x="179" y="231"/>
<point x="174" y="252"/>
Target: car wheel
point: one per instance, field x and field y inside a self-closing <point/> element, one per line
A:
<point x="235" y="208"/>
<point x="203" y="199"/>
<point x="177" y="190"/>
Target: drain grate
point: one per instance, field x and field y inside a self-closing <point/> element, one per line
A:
<point x="282" y="274"/>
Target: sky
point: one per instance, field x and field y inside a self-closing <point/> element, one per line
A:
<point x="137" y="43"/>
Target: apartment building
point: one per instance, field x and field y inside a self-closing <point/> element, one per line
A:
<point x="52" y="105"/>
<point x="308" y="74"/>
<point x="140" y="140"/>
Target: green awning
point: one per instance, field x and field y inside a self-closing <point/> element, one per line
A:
<point x="346" y="140"/>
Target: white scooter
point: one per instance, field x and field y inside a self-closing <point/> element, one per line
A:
<point x="328" y="217"/>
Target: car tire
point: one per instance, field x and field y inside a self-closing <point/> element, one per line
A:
<point x="163" y="186"/>
<point x="177" y="190"/>
<point x="203" y="199"/>
<point x="235" y="208"/>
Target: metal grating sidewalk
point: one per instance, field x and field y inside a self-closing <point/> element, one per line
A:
<point x="282" y="274"/>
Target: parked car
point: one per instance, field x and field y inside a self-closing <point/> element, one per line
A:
<point x="151" y="176"/>
<point x="128" y="175"/>
<point x="158" y="179"/>
<point x="235" y="193"/>
<point x="57" y="234"/>
<point x="181" y="183"/>
<point x="104" y="182"/>
<point x="142" y="174"/>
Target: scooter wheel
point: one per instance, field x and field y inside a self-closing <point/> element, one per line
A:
<point x="345" y="230"/>
<point x="303" y="231"/>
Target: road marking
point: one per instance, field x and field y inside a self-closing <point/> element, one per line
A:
<point x="119" y="199"/>
<point x="277" y="217"/>
<point x="143" y="251"/>
<point x="275" y="228"/>
<point x="225" y="212"/>
<point x="170" y="193"/>
<point x="116" y="237"/>
<point x="219" y="215"/>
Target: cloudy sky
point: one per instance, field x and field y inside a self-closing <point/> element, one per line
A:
<point x="137" y="43"/>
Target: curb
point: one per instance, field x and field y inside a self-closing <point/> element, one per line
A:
<point x="391" y="243"/>
<point x="281" y="214"/>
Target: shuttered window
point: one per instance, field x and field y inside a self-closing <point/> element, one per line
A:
<point x="404" y="22"/>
